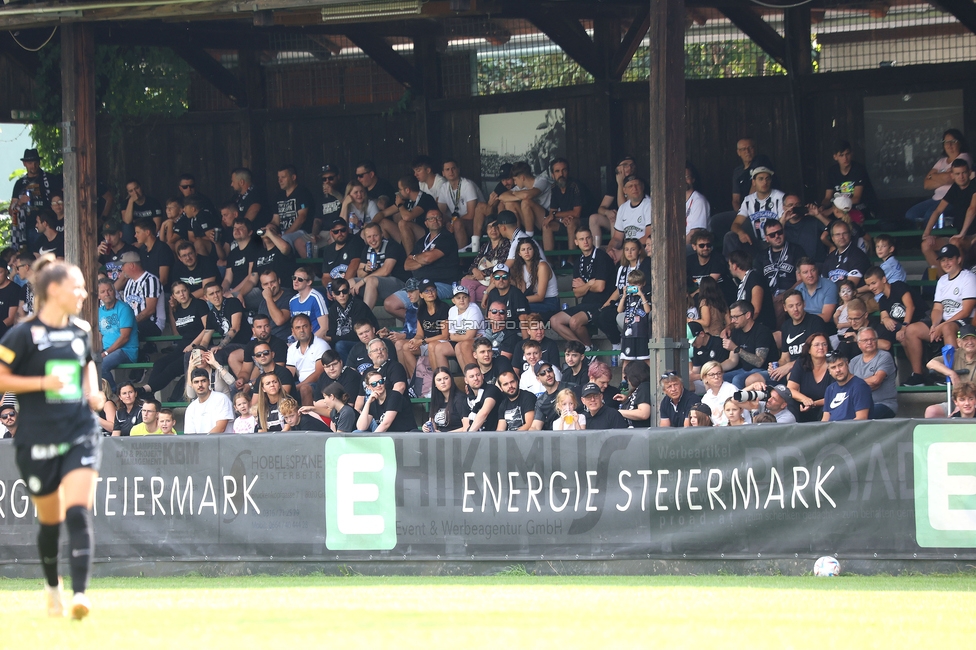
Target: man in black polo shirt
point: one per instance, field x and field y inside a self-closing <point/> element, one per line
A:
<point x="847" y="262"/>
<point x="358" y="359"/>
<point x="516" y="410"/>
<point x="341" y="258"/>
<point x="482" y="398"/>
<point x="677" y="402"/>
<point x="592" y="285"/>
<point x="600" y="417"/>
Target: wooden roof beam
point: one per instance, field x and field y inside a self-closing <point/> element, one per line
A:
<point x="631" y="41"/>
<point x="211" y="70"/>
<point x="758" y="30"/>
<point x="570" y="36"/>
<point x="380" y="51"/>
<point x="963" y="10"/>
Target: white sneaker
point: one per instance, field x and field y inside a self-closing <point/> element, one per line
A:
<point x="80" y="606"/>
<point x="55" y="599"/>
<point x="465" y="249"/>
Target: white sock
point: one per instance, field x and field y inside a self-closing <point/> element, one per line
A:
<point x="596" y="242"/>
<point x="530" y="233"/>
<point x="475" y="243"/>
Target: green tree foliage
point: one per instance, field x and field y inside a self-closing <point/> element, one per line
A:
<point x="529" y="72"/>
<point x="130" y="83"/>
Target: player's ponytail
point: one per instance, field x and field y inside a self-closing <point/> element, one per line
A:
<point x="46" y="270"/>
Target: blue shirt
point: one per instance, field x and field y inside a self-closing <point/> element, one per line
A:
<point x="843" y="402"/>
<point x="110" y="324"/>
<point x="826" y="294"/>
<point x="893" y="270"/>
<point x="313" y="306"/>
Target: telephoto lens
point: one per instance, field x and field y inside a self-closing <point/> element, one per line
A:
<point x="750" y="396"/>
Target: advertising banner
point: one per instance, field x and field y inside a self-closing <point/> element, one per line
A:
<point x="898" y="489"/>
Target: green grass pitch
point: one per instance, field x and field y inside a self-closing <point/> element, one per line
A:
<point x="295" y="613"/>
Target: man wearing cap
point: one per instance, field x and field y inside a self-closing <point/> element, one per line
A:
<point x="341" y="258"/>
<point x="763" y="204"/>
<point x="877" y="369"/>
<point x="465" y="323"/>
<point x="8" y="420"/>
<point x="598" y="416"/>
<point x="592" y="285"/>
<point x="110" y="251"/>
<point x="606" y="214"/>
<point x="434" y="257"/>
<point x="380" y="273"/>
<point x="545" y="402"/>
<point x="532" y="364"/>
<point x="144" y="294"/>
<point x="677" y="401"/>
<point x="32" y="192"/>
<point x="963" y="368"/>
<point x="954" y="305"/>
<point x="330" y="204"/>
<point x="497" y="330"/>
<point x="847" y="261"/>
<point x="516" y="408"/>
<point x="500" y="290"/>
<point x="848" y="397"/>
<point x="780" y="403"/>
<point x="292" y="207"/>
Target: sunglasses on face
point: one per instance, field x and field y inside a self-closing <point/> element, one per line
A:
<point x="496" y="311"/>
<point x="338" y="231"/>
<point x="187" y="187"/>
<point x="340" y="292"/>
<point x="262" y="354"/>
<point x="546" y="371"/>
<point x="500" y="277"/>
<point x="705" y="246"/>
<point x="378" y="382"/>
<point x="361" y="175"/>
<point x="775" y="233"/>
<point x="297" y="278"/>
<point x="6" y="416"/>
<point x="57" y="202"/>
<point x="328" y="178"/>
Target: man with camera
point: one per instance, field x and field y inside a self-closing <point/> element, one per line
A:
<point x="762" y="398"/>
<point x="804" y="230"/>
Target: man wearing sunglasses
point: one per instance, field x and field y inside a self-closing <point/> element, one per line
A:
<point x="378" y="189"/>
<point x="385" y="409"/>
<point x="342" y="257"/>
<point x="704" y="262"/>
<point x="330" y="204"/>
<point x="8" y="420"/>
<point x="777" y="264"/>
<point x="308" y="301"/>
<point x="266" y="361"/>
<point x="500" y="290"/>
<point x="262" y="330"/>
<point x="503" y="340"/>
<point x="346" y="310"/>
<point x="188" y="187"/>
<point x="545" y="402"/>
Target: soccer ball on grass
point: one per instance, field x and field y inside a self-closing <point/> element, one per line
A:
<point x="826" y="567"/>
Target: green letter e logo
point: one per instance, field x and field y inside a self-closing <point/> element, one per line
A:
<point x="945" y="486"/>
<point x="360" y="499"/>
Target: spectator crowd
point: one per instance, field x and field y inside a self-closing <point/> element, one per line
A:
<point x="261" y="311"/>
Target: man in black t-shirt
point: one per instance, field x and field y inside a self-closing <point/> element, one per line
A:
<point x="545" y="404"/>
<point x="600" y="417"/>
<point x="358" y="358"/>
<point x="265" y="360"/>
<point x="803" y="230"/>
<point x="157" y="257"/>
<point x="293" y="208"/>
<point x="847" y="261"/>
<point x="705" y="348"/>
<point x="341" y="258"/>
<point x="575" y="371"/>
<point x="381" y="272"/>
<point x="751" y="346"/>
<point x="516" y="410"/>
<point x="501" y="291"/>
<point x="244" y="359"/>
<point x="330" y="203"/>
<point x="138" y="206"/>
<point x="592" y="285"/>
<point x="849" y="178"/>
<point x="896" y="304"/>
<point x="482" y="398"/>
<point x="204" y="226"/>
<point x="250" y="203"/>
<point x="503" y="339"/>
<point x="434" y="257"/>
<point x="411" y="205"/>
<point x="959" y="204"/>
<point x="798" y="326"/>
<point x="231" y="322"/>
<point x="752" y="288"/>
<point x="275" y="255"/>
<point x="777" y="264"/>
<point x="379" y="190"/>
<point x="704" y="261"/>
<point x="385" y="409"/>
<point x="491" y="365"/>
<point x="195" y="271"/>
<point x="241" y="278"/>
<point x="335" y="370"/>
<point x="275" y="304"/>
<point x="50" y="240"/>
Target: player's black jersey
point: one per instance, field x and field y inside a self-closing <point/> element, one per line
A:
<point x="33" y="349"/>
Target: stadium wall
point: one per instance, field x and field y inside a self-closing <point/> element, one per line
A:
<point x="877" y="495"/>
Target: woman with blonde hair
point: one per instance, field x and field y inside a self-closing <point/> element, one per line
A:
<point x="717" y="391"/>
<point x="268" y="400"/>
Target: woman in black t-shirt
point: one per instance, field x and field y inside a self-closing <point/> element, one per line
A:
<point x="432" y="326"/>
<point x="809" y="378"/>
<point x="448" y="409"/>
<point x="194" y="323"/>
<point x="269" y="396"/>
<point x="636" y="405"/>
<point x="127" y="410"/>
<point x="47" y="362"/>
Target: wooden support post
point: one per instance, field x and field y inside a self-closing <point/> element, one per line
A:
<point x="427" y="64"/>
<point x="799" y="66"/>
<point x="78" y="134"/>
<point x="667" y="139"/>
<point x="799" y="46"/>
<point x="252" y="125"/>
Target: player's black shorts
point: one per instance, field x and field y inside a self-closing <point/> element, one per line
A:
<point x="592" y="311"/>
<point x="43" y="466"/>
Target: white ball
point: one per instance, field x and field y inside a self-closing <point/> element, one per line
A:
<point x="826" y="567"/>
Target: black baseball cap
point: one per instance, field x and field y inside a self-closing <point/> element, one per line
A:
<point x="329" y="168"/>
<point x="505" y="171"/>
<point x="949" y="250"/>
<point x="507" y="217"/>
<point x="591" y="389"/>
